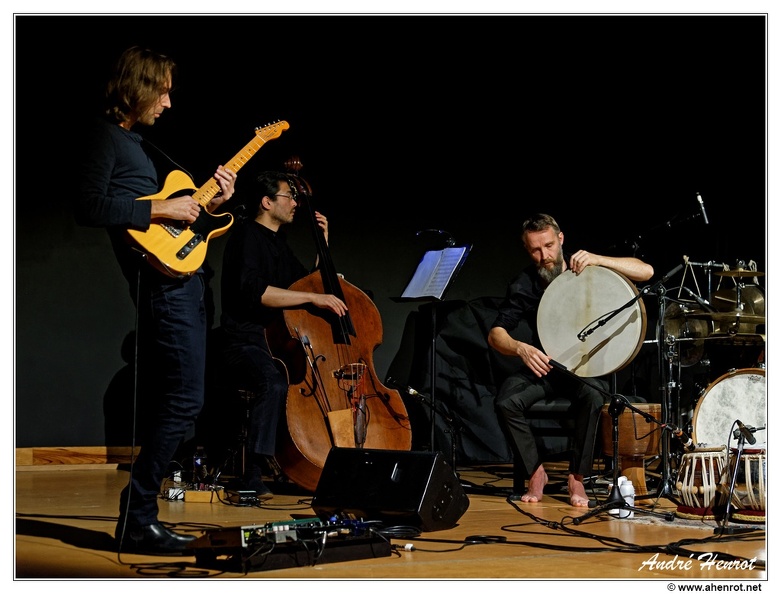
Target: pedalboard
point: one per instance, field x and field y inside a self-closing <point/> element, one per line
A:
<point x="288" y="543"/>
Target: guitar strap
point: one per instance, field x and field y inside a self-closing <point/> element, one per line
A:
<point x="160" y="153"/>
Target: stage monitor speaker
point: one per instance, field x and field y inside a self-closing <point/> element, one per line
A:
<point x="396" y="487"/>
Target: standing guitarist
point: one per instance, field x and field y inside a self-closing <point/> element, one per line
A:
<point x="117" y="169"/>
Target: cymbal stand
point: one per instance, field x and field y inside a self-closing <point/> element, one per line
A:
<point x="669" y="383"/>
<point x="615" y="500"/>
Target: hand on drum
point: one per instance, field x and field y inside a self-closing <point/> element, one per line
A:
<point x="581" y="259"/>
<point x="534" y="358"/>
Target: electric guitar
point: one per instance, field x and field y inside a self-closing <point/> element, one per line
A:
<point x="178" y="248"/>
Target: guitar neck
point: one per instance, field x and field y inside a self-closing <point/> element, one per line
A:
<point x="211" y="188"/>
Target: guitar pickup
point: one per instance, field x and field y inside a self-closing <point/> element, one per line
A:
<point x="189" y="246"/>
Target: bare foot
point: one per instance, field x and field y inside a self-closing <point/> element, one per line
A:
<point x="577" y="492"/>
<point x="537" y="483"/>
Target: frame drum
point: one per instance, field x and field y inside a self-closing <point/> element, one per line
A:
<point x="575" y="305"/>
<point x="737" y="395"/>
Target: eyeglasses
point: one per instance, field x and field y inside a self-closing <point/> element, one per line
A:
<point x="286" y="196"/>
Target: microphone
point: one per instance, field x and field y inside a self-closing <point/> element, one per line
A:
<point x="687" y="441"/>
<point x="702" y="208"/>
<point x="703" y="302"/>
<point x="673" y="272"/>
<point x="359" y="422"/>
<point x="409" y="390"/>
<point x="746" y="432"/>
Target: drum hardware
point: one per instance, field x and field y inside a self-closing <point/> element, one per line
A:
<point x="681" y="326"/>
<point x="672" y="344"/>
<point x="746" y="298"/>
<point x="731" y="317"/>
<point x="739" y="272"/>
<point x="707" y="266"/>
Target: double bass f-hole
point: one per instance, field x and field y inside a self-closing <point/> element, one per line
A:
<point x="334" y="396"/>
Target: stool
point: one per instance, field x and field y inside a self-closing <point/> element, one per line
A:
<point x="247" y="397"/>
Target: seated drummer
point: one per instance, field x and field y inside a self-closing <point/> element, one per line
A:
<point x="543" y="240"/>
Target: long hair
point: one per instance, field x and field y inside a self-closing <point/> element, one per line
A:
<point x="138" y="79"/>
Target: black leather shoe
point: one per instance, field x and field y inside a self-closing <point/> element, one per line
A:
<point x="254" y="482"/>
<point x="154" y="539"/>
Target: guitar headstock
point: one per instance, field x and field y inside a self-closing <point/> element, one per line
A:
<point x="271" y="131"/>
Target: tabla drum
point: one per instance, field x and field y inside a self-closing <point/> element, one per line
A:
<point x="702" y="482"/>
<point x="737" y="395"/>
<point x="591" y="323"/>
<point x="750" y="475"/>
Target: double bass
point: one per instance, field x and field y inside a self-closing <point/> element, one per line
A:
<point x="334" y="396"/>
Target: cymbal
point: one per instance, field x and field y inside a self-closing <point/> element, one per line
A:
<point x="739" y="272"/>
<point x="736" y="317"/>
<point x="690" y="332"/>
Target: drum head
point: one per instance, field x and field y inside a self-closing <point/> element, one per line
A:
<point x="573" y="304"/>
<point x="735" y="396"/>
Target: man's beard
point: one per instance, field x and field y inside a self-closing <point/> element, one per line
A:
<point x="549" y="274"/>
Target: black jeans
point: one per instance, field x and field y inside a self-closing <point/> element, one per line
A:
<point x="171" y="368"/>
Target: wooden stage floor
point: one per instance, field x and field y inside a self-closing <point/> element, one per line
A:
<point x="65" y="521"/>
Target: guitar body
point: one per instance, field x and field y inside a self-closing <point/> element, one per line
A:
<point x="178" y="248"/>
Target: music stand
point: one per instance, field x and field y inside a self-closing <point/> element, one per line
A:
<point x="432" y="278"/>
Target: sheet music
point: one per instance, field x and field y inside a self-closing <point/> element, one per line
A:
<point x="434" y="273"/>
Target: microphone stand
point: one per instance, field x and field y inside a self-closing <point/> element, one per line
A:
<point x="615" y="499"/>
<point x="665" y="484"/>
<point x="665" y="487"/>
<point x="455" y="427"/>
<point x="724" y="529"/>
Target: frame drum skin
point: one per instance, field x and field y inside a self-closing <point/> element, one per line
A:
<point x="574" y="304"/>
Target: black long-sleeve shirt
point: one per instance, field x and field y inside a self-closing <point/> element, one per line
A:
<point x="115" y="171"/>
<point x="518" y="310"/>
<point x="255" y="257"/>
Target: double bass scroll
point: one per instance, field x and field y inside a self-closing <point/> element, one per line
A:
<point x="338" y="400"/>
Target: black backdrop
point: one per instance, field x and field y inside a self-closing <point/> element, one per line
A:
<point x="404" y="123"/>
